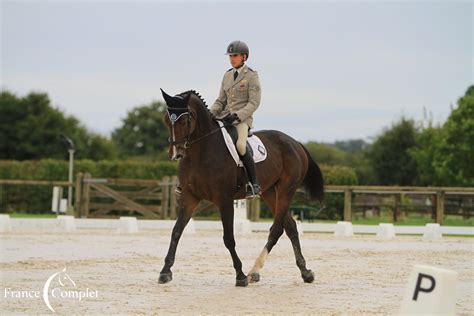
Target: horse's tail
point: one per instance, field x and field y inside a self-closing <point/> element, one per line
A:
<point x="313" y="181"/>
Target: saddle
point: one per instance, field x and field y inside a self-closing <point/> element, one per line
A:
<point x="254" y="145"/>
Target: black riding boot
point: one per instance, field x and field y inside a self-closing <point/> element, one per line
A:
<point x="253" y="188"/>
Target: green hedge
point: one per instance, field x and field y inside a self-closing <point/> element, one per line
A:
<point x="37" y="199"/>
<point x="49" y="169"/>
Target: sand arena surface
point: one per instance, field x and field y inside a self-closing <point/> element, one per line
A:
<point x="356" y="275"/>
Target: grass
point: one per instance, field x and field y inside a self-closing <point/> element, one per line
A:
<point x="27" y="215"/>
<point x="415" y="221"/>
<point x="407" y="221"/>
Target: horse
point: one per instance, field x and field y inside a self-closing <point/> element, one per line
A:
<point x="208" y="172"/>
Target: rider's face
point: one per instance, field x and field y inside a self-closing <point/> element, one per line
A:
<point x="236" y="60"/>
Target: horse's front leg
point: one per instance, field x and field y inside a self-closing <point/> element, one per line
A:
<point x="187" y="206"/>
<point x="227" y="217"/>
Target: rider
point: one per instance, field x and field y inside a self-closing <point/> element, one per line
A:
<point x="239" y="97"/>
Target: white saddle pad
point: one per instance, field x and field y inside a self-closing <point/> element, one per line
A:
<point x="258" y="148"/>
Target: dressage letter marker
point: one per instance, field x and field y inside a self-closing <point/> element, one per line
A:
<point x="5" y="225"/>
<point x="385" y="232"/>
<point x="241" y="222"/>
<point x="66" y="223"/>
<point x="418" y="287"/>
<point x="432" y="232"/>
<point x="430" y="291"/>
<point x="343" y="229"/>
<point x="127" y="225"/>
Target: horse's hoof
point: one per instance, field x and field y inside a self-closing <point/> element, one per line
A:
<point x="243" y="282"/>
<point x="165" y="277"/>
<point x="308" y="276"/>
<point x="254" y="277"/>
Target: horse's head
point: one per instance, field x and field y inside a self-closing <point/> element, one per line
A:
<point x="181" y="123"/>
<point x="64" y="277"/>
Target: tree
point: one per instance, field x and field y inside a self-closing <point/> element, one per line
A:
<point x="30" y="129"/>
<point x="454" y="154"/>
<point x="143" y="131"/>
<point x="352" y="145"/>
<point x="390" y="154"/>
<point x="423" y="154"/>
<point x="326" y="154"/>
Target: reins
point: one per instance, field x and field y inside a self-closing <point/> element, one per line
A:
<point x="187" y="141"/>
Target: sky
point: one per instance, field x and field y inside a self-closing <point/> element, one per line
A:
<point x="329" y="70"/>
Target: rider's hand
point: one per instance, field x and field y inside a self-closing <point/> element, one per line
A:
<point x="230" y="119"/>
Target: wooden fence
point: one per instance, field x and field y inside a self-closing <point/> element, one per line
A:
<point x="99" y="197"/>
<point x="155" y="199"/>
<point x="438" y="192"/>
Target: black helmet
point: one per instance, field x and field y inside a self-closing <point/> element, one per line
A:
<point x="237" y="47"/>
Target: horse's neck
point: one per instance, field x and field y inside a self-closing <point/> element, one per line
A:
<point x="204" y="121"/>
<point x="205" y="128"/>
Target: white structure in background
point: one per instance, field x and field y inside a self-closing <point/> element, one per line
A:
<point x="58" y="204"/>
<point x="432" y="232"/>
<point x="343" y="229"/>
<point x="127" y="225"/>
<point x="385" y="232"/>
<point x="299" y="226"/>
<point x="430" y="291"/>
<point x="66" y="223"/>
<point x="241" y="222"/>
<point x="190" y="228"/>
<point x="5" y="225"/>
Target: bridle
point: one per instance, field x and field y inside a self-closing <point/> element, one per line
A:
<point x="187" y="139"/>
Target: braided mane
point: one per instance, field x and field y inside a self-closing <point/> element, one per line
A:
<point x="183" y="94"/>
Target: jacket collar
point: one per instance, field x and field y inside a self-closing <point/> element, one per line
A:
<point x="242" y="74"/>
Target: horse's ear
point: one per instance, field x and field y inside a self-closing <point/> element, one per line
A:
<point x="186" y="99"/>
<point x="166" y="96"/>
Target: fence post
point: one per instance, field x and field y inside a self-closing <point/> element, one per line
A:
<point x="254" y="209"/>
<point x="165" y="205"/>
<point x="347" y="205"/>
<point x="173" y="184"/>
<point x="440" y="207"/>
<point x="85" y="195"/>
<point x="398" y="198"/>
<point x="78" y="192"/>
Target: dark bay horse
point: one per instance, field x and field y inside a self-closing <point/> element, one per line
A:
<point x="207" y="171"/>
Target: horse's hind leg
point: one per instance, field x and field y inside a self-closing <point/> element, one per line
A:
<point x="279" y="201"/>
<point x="292" y="232"/>
<point x="187" y="205"/>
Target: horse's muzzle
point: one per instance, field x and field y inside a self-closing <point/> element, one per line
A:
<point x="177" y="153"/>
<point x="178" y="157"/>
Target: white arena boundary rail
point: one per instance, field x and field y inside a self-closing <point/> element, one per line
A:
<point x="71" y="224"/>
